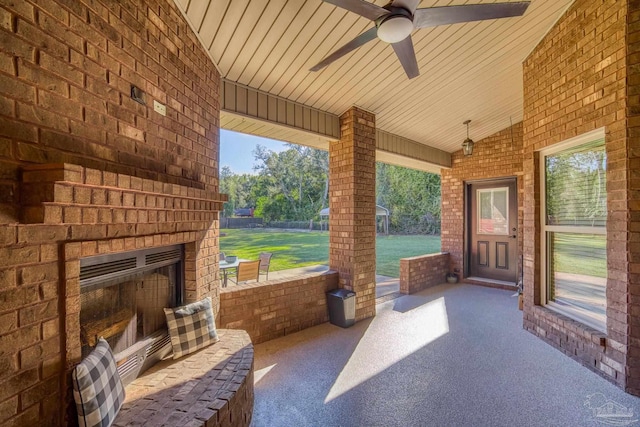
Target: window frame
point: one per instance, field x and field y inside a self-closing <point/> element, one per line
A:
<point x="582" y="139"/>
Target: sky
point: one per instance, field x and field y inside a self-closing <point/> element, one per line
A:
<point x="236" y="150"/>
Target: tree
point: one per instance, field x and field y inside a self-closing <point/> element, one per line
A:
<point x="296" y="181"/>
<point x="241" y="189"/>
<point x="412" y="197"/>
<point x="293" y="185"/>
<point x="576" y="187"/>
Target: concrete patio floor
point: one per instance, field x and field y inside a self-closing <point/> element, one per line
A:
<point x="454" y="355"/>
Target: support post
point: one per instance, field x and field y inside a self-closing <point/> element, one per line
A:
<point x="352" y="196"/>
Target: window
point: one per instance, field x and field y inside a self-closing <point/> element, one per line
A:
<point x="574" y="241"/>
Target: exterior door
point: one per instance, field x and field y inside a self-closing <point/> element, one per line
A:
<point x="493" y="230"/>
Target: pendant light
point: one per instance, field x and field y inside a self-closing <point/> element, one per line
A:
<point x="467" y="144"/>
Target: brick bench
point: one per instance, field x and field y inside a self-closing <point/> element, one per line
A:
<point x="211" y="387"/>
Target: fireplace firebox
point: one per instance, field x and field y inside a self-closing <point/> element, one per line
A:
<point x="122" y="297"/>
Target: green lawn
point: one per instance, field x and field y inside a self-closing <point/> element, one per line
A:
<point x="579" y="253"/>
<point x="299" y="249"/>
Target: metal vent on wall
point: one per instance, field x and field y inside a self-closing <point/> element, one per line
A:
<point x="130" y="368"/>
<point x="110" y="267"/>
<point x="103" y="268"/>
<point x="170" y="255"/>
<point x="148" y="352"/>
<point x="158" y="345"/>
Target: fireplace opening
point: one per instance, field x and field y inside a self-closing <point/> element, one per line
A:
<point x="122" y="297"/>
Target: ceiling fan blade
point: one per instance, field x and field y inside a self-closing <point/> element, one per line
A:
<point x="363" y="38"/>
<point x="407" y="56"/>
<point x="434" y="16"/>
<point x="410" y="5"/>
<point x="361" y="7"/>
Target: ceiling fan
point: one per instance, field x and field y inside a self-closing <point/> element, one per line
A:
<point x="395" y="22"/>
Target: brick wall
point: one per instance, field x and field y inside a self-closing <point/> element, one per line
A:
<point x="422" y="272"/>
<point x="575" y="82"/>
<point x="497" y="156"/>
<point x="66" y="68"/>
<point x="352" y="199"/>
<point x="632" y="195"/>
<point x="272" y="309"/>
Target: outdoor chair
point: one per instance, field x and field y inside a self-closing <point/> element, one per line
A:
<point x="265" y="260"/>
<point x="248" y="270"/>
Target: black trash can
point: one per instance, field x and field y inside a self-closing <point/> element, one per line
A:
<point x="342" y="307"/>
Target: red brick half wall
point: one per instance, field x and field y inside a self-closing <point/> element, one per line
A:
<point x="268" y="310"/>
<point x="422" y="272"/>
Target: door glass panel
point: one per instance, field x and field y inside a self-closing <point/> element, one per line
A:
<point x="493" y="211"/>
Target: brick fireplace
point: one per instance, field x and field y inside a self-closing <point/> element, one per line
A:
<point x="173" y="217"/>
<point x="86" y="171"/>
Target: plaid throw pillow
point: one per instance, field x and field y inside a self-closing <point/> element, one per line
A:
<point x="191" y="327"/>
<point x="97" y="388"/>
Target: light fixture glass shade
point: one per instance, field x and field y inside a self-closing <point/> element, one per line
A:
<point x="395" y="29"/>
<point x="467" y="147"/>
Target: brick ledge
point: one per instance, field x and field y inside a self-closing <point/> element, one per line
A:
<point x="71" y="194"/>
<point x="274" y="282"/>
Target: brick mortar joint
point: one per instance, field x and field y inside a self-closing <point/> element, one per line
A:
<point x="127" y="207"/>
<point x="213" y="197"/>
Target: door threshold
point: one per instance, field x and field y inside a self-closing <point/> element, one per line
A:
<point x="493" y="283"/>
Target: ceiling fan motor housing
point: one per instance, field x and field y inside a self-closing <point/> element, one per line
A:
<point x="395" y="26"/>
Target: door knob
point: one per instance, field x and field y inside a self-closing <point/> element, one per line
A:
<point x="513" y="236"/>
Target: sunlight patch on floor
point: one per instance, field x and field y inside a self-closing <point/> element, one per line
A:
<point x="261" y="373"/>
<point x="411" y="331"/>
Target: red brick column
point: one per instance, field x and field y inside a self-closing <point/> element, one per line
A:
<point x="623" y="221"/>
<point x="551" y="116"/>
<point x="352" y="198"/>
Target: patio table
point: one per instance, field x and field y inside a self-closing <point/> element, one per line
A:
<point x="226" y="266"/>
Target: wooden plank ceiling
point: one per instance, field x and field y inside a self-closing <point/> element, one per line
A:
<point x="467" y="71"/>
